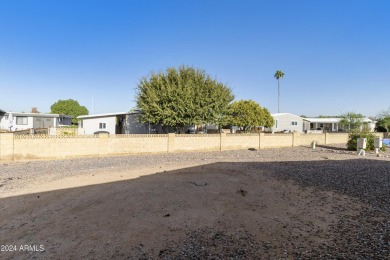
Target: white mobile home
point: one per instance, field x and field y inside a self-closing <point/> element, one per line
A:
<point x="323" y="124"/>
<point x="286" y="122"/>
<point x="23" y="121"/>
<point x="332" y="124"/>
<point x="114" y="123"/>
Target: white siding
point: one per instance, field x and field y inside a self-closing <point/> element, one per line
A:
<point x="284" y="123"/>
<point x="91" y="125"/>
<point x="41" y="120"/>
<point x="20" y="126"/>
<point x="2" y="124"/>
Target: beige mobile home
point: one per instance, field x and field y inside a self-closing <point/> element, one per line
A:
<point x="286" y="122"/>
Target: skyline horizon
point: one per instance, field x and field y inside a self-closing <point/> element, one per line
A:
<point x="91" y="110"/>
<point x="335" y="55"/>
<point x="272" y="113"/>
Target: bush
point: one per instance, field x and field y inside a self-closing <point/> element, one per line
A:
<point x="352" y="141"/>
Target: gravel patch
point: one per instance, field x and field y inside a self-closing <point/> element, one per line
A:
<point x="366" y="180"/>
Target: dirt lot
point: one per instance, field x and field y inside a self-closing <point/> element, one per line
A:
<point x="277" y="203"/>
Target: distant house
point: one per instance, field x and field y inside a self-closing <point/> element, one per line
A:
<point x="323" y="124"/>
<point x="23" y="121"/>
<point x="371" y="124"/>
<point x="114" y="123"/>
<point x="332" y="124"/>
<point x="286" y="122"/>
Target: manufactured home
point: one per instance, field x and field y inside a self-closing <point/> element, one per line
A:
<point x="114" y="123"/>
<point x="15" y="121"/>
<point x="286" y="122"/>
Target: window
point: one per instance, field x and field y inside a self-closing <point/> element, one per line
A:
<point x="294" y="123"/>
<point x="102" y="125"/>
<point x="276" y="124"/>
<point x="21" y="120"/>
<point x="321" y="125"/>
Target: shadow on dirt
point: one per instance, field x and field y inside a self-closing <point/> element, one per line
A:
<point x="315" y="209"/>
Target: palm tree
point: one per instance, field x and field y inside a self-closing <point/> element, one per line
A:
<point x="278" y="75"/>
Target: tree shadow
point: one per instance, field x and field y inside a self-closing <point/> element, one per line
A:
<point x="338" y="148"/>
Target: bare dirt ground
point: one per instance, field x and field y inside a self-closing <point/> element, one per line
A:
<point x="269" y="204"/>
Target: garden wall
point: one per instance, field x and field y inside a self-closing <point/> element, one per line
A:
<point x="28" y="147"/>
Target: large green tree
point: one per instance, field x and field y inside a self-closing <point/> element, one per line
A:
<point x="69" y="107"/>
<point x="248" y="114"/>
<point x="183" y="96"/>
<point x="383" y="124"/>
<point x="351" y="120"/>
<point x="278" y="75"/>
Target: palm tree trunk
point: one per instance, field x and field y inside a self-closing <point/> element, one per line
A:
<point x="278" y="97"/>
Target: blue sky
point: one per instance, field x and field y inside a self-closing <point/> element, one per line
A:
<point x="335" y="53"/>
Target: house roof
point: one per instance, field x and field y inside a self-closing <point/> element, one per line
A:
<point x="280" y="114"/>
<point x="108" y="114"/>
<point x="333" y="120"/>
<point x="323" y="119"/>
<point x="38" y="115"/>
<point x="368" y="120"/>
<point x="284" y="114"/>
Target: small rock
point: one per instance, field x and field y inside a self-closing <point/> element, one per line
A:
<point x="243" y="192"/>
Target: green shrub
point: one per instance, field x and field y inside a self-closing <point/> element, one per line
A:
<point x="352" y="141"/>
<point x="69" y="133"/>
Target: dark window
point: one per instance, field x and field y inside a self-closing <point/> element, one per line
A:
<point x="21" y="120"/>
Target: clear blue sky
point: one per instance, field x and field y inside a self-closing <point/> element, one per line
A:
<point x="335" y="53"/>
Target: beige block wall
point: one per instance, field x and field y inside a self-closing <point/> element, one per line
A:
<point x="241" y="141"/>
<point x="204" y="142"/>
<point x="381" y="135"/>
<point x="171" y="142"/>
<point x="307" y="139"/>
<point x="57" y="147"/>
<point x="336" y="138"/>
<point x="6" y="146"/>
<point x="276" y="140"/>
<point x="132" y="145"/>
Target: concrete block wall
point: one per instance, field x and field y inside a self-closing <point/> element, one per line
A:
<point x="276" y="140"/>
<point x="190" y="142"/>
<point x="241" y="141"/>
<point x="6" y="146"/>
<point x="336" y="138"/>
<point x="381" y="135"/>
<point x="307" y="139"/>
<point x="55" y="148"/>
<point x="29" y="147"/>
<point x="132" y="144"/>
